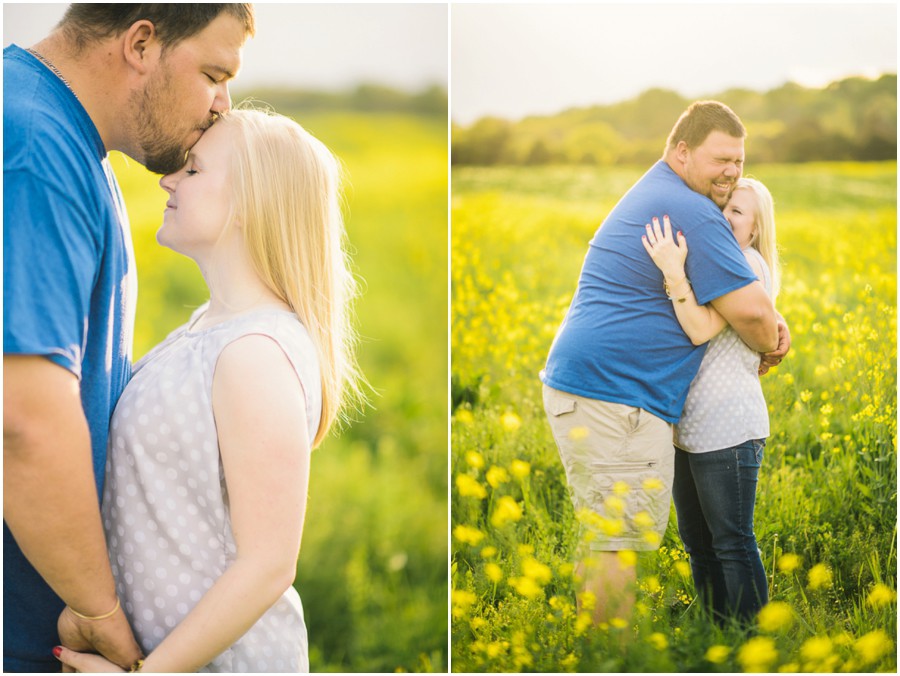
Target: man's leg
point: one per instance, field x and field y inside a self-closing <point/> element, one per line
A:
<point x="612" y="583"/>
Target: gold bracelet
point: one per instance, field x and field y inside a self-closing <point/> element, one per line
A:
<point x="98" y="617"/>
<point x="668" y="289"/>
<point x="136" y="667"/>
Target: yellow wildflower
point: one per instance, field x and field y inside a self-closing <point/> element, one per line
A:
<point x="651" y="537"/>
<point x="788" y="563"/>
<point x="461" y="600"/>
<point x="526" y="587"/>
<point x="683" y="568"/>
<point x="464" y="416"/>
<point x="717" y="654"/>
<point x="873" y="646"/>
<point x="537" y="571"/>
<point x="493" y="572"/>
<point x="652" y="484"/>
<point x="775" y="616"/>
<point x="582" y="623"/>
<point x="819" y="576"/>
<point x="618" y="623"/>
<point x="757" y="654"/>
<point x="525" y="549"/>
<point x="496" y="476"/>
<point x="621" y="489"/>
<point x="881" y="595"/>
<point x="816" y="648"/>
<point x="627" y="558"/>
<point x="578" y="433"/>
<point x="475" y="460"/>
<point x="644" y="521"/>
<point x="658" y="640"/>
<point x="588" y="600"/>
<point x="467" y="534"/>
<point x="520" y="469"/>
<point x="614" y="504"/>
<point x="652" y="585"/>
<point x="510" y="421"/>
<point x="488" y="552"/>
<point x="507" y="510"/>
<point x="469" y="487"/>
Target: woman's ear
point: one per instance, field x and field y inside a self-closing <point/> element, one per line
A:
<point x="141" y="46"/>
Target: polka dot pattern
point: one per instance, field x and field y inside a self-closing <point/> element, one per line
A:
<point x="725" y="405"/>
<point x="165" y="504"/>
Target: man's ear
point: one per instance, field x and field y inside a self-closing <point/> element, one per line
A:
<point x="681" y="152"/>
<point x="141" y="46"/>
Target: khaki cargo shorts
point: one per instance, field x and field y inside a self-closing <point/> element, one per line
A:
<point x="619" y="462"/>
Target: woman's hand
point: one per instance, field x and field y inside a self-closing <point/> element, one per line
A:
<point x="667" y="253"/>
<point x="85" y="662"/>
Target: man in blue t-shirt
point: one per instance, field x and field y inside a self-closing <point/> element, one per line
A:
<point x="620" y="366"/>
<point x="145" y="80"/>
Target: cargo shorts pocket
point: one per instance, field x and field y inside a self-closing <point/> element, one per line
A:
<point x="631" y="499"/>
<point x="558" y="404"/>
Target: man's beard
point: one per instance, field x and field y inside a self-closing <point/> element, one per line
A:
<point x="163" y="152"/>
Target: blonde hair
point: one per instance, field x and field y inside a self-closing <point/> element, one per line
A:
<point x="287" y="199"/>
<point x="764" y="219"/>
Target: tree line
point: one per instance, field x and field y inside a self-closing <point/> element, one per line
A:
<point x="854" y="119"/>
<point x="366" y="97"/>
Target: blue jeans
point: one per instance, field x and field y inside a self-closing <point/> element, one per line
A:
<point x="714" y="495"/>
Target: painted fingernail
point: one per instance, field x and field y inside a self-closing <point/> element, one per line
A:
<point x="57" y="651"/>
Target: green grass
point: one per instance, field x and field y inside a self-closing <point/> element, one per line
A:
<point x="827" y="490"/>
<point x="372" y="570"/>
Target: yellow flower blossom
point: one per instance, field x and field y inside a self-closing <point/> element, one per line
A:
<point x="621" y="489"/>
<point x="461" y="600"/>
<point x="488" y="552"/>
<point x="881" y="595"/>
<point x="820" y="576"/>
<point x="651" y="537"/>
<point x="582" y="623"/>
<point x="493" y="572"/>
<point x="816" y="648"/>
<point x="757" y="654"/>
<point x="506" y="511"/>
<point x="526" y="587"/>
<point x="717" y="654"/>
<point x="652" y="585"/>
<point x="467" y="534"/>
<point x="464" y="416"/>
<point x="644" y="521"/>
<point x="788" y="563"/>
<point x="652" y="484"/>
<point x="537" y="571"/>
<point x="658" y="640"/>
<point x="627" y="558"/>
<point x="496" y="476"/>
<point x="510" y="421"/>
<point x="588" y="600"/>
<point x="873" y="646"/>
<point x="475" y="460"/>
<point x="775" y="616"/>
<point x="578" y="433"/>
<point x="683" y="568"/>
<point x="520" y="469"/>
<point x="469" y="487"/>
<point x="618" y="623"/>
<point x="614" y="504"/>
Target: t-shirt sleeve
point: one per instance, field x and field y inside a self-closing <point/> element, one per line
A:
<point x="50" y="255"/>
<point x="715" y="264"/>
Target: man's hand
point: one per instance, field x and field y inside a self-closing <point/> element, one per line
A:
<point x="111" y="637"/>
<point x="770" y="359"/>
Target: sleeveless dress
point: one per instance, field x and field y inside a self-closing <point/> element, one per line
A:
<point x="165" y="505"/>
<point x="725" y="405"/>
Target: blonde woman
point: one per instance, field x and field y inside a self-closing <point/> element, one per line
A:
<point x="720" y="437"/>
<point x="210" y="442"/>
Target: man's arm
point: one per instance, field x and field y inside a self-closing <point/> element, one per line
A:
<point x="750" y="312"/>
<point x="50" y="501"/>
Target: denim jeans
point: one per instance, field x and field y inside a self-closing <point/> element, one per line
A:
<point x="714" y="495"/>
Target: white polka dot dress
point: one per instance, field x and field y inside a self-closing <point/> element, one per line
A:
<point x="165" y="504"/>
<point x="725" y="405"/>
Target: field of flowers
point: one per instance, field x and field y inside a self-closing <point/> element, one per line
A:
<point x="826" y="509"/>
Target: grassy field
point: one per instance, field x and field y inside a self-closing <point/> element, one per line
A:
<point x="826" y="507"/>
<point x="373" y="567"/>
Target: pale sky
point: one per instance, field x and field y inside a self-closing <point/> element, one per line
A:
<point x="318" y="46"/>
<point x="513" y="60"/>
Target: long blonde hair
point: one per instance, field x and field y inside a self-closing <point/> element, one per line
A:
<point x="287" y="198"/>
<point x="764" y="239"/>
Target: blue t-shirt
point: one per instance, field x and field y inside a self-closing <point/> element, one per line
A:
<point x="69" y="288"/>
<point x="620" y="341"/>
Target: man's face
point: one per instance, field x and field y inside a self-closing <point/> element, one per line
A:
<point x="713" y="167"/>
<point x="188" y="89"/>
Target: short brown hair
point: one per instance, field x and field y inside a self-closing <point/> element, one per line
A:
<point x="85" y="23"/>
<point x="702" y="118"/>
